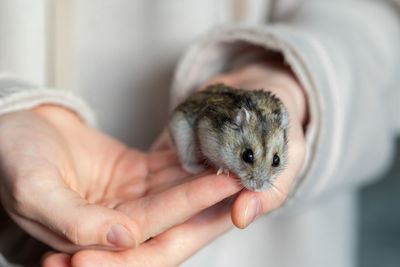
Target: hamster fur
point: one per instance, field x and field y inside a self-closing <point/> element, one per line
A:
<point x="235" y="130"/>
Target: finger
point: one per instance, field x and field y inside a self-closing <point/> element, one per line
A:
<point x="54" y="240"/>
<point x="166" y="173"/>
<point x="69" y="215"/>
<point x="44" y="234"/>
<point x="166" y="178"/>
<point x="249" y="205"/>
<point x="172" y="177"/>
<point x="87" y="224"/>
<point x="156" y="213"/>
<point x="138" y="173"/>
<point x="170" y="248"/>
<point x="162" y="142"/>
<point x="230" y="80"/>
<point x="56" y="260"/>
<point x="162" y="159"/>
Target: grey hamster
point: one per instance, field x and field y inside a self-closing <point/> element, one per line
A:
<point x="235" y="130"/>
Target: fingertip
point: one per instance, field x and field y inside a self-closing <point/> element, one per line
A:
<point x="94" y="225"/>
<point x="85" y="259"/>
<point x="52" y="259"/>
<point x="121" y="231"/>
<point x="119" y="236"/>
<point x="236" y="214"/>
<point x="96" y="258"/>
<point x="246" y="208"/>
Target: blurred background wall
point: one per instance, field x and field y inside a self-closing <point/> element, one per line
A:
<point x="379" y="231"/>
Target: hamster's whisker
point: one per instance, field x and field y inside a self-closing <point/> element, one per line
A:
<point x="275" y="187"/>
<point x="238" y="181"/>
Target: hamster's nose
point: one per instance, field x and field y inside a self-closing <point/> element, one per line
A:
<point x="259" y="184"/>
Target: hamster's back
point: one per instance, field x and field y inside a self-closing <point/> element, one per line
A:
<point x="215" y="98"/>
<point x="221" y="100"/>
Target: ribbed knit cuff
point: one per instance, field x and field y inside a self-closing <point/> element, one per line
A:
<point x="16" y="95"/>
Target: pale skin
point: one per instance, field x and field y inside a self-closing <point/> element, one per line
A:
<point x="88" y="183"/>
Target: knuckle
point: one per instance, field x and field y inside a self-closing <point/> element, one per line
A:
<point x="18" y="197"/>
<point x="74" y="232"/>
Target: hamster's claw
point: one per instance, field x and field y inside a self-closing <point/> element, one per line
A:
<point x="222" y="170"/>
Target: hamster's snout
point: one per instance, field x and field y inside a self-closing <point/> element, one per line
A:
<point x="259" y="184"/>
<point x="255" y="184"/>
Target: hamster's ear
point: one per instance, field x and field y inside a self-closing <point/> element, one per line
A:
<point x="281" y="116"/>
<point x="243" y="116"/>
<point x="284" y="117"/>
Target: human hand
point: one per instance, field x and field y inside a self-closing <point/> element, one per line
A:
<point x="176" y="244"/>
<point x="73" y="187"/>
<point x="169" y="248"/>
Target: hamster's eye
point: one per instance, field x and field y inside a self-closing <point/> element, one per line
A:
<point x="248" y="156"/>
<point x="276" y="161"/>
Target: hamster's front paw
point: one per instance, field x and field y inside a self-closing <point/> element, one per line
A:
<point x="222" y="170"/>
<point x="193" y="168"/>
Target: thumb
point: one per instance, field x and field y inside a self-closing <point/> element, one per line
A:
<point x="93" y="225"/>
<point x="62" y="211"/>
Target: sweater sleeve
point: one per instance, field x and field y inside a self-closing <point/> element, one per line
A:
<point x="344" y="53"/>
<point x="17" y="94"/>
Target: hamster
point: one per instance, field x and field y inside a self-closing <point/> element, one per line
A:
<point x="235" y="130"/>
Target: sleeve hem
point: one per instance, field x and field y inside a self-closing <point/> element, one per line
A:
<point x="33" y="97"/>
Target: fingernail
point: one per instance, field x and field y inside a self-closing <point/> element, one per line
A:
<point x="253" y="209"/>
<point x="120" y="237"/>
